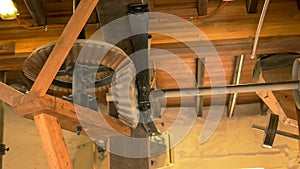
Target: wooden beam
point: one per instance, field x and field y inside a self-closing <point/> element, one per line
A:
<point x="243" y="46"/>
<point x="53" y="142"/>
<point x="271" y="101"/>
<point x="202" y="7"/>
<point x="298" y="120"/>
<point x="13" y="61"/>
<point x="9" y="94"/>
<point x="101" y="124"/>
<point x="232" y="47"/>
<point x="63" y="46"/>
<point x="7" y="47"/>
<point x="2" y="79"/>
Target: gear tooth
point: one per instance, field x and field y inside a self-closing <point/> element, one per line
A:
<point x="125" y="93"/>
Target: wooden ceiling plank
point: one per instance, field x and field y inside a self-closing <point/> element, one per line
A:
<point x="63" y="46"/>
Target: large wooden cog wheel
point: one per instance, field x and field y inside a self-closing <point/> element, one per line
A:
<point x="63" y="80"/>
<point x="115" y="66"/>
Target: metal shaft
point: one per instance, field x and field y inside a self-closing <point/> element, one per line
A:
<point x="217" y="90"/>
<point x="279" y="132"/>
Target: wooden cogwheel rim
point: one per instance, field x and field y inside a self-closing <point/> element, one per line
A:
<point x="113" y="56"/>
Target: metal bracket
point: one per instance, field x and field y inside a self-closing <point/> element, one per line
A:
<point x="148" y="124"/>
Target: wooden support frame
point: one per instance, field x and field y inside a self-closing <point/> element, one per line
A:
<point x="2" y="79"/>
<point x="243" y="46"/>
<point x="63" y="46"/>
<point x="7" y="48"/>
<point x="53" y="142"/>
<point x="270" y="100"/>
<point x="57" y="157"/>
<point x="9" y="94"/>
<point x="279" y="44"/>
<point x="29" y="106"/>
<point x="39" y="106"/>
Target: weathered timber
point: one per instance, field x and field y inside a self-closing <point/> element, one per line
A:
<point x="53" y="142"/>
<point x="63" y="46"/>
<point x="70" y="116"/>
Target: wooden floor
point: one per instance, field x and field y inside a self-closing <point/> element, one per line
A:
<point x="231" y="31"/>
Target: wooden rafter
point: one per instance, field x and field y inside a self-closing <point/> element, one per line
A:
<point x="29" y="106"/>
<point x="9" y="94"/>
<point x="63" y="46"/>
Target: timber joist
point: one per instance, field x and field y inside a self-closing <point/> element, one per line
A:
<point x="30" y="105"/>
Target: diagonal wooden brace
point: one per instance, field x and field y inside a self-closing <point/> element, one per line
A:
<point x="53" y="142"/>
<point x="68" y="113"/>
<point x="63" y="46"/>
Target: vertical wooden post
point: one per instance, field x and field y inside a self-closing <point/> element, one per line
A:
<point x="2" y="79"/>
<point x="202" y="7"/>
<point x="53" y="141"/>
<point x="298" y="120"/>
